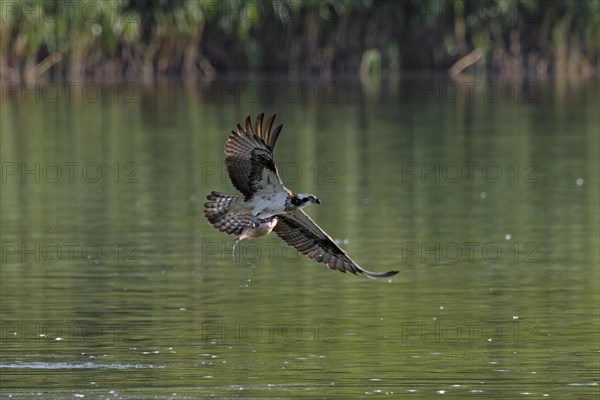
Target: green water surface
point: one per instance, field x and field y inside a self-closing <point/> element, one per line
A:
<point x="113" y="284"/>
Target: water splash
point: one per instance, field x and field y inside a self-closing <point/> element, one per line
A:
<point x="67" y="365"/>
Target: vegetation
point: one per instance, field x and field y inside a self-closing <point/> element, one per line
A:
<point x="140" y="40"/>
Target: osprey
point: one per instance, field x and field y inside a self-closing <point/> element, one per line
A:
<point x="267" y="205"/>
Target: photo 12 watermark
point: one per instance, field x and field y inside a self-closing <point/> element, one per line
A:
<point x="69" y="172"/>
<point x="290" y="172"/>
<point x="51" y="252"/>
<point x="469" y="172"/>
<point x="269" y="92"/>
<point x="69" y="331"/>
<point x="452" y="331"/>
<point x="488" y="11"/>
<point x="468" y="92"/>
<point x="436" y="252"/>
<point x="69" y="92"/>
<point x="269" y="332"/>
<point x="90" y="13"/>
<point x="248" y="251"/>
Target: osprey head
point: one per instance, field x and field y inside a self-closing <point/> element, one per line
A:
<point x="301" y="200"/>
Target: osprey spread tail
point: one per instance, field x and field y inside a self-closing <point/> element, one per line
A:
<point x="219" y="210"/>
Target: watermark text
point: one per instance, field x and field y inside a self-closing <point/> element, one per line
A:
<point x="469" y="172"/>
<point x="436" y="331"/>
<point x="69" y="172"/>
<point x="49" y="252"/>
<point x="45" y="331"/>
<point x="269" y="332"/>
<point x="469" y="252"/>
<point x="290" y="172"/>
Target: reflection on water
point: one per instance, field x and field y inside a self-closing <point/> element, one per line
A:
<point x="489" y="208"/>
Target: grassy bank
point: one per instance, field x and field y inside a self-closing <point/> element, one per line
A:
<point x="139" y="40"/>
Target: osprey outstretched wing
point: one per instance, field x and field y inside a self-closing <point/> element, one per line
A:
<point x="299" y="231"/>
<point x="249" y="156"/>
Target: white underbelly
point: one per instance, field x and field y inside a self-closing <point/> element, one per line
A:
<point x="268" y="203"/>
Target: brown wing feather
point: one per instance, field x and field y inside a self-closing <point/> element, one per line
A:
<point x="299" y="231"/>
<point x="248" y="152"/>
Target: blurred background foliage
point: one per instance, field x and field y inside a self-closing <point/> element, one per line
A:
<point x="140" y="40"/>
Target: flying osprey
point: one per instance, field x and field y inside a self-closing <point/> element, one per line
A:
<point x="267" y="204"/>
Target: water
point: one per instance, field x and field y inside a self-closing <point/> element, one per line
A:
<point x="113" y="285"/>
